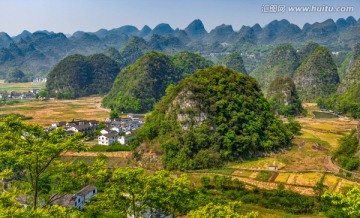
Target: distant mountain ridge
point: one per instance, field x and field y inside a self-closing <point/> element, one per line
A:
<point x="37" y="53"/>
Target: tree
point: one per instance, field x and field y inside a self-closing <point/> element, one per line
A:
<point x="212" y="210"/>
<point x="114" y="114"/>
<point x="16" y="76"/>
<point x="29" y="151"/>
<point x="131" y="182"/>
<point x="133" y="191"/>
<point x="348" y="201"/>
<point x="180" y="194"/>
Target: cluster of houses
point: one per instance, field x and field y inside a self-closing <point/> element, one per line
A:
<point x="13" y="95"/>
<point x="118" y="130"/>
<point x="83" y="126"/>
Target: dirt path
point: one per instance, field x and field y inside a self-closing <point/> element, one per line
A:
<point x="123" y="154"/>
<point x="329" y="165"/>
<point x="98" y="105"/>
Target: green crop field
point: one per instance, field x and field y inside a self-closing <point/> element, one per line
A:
<point x="20" y="87"/>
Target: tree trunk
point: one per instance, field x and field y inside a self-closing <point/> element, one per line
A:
<point x="133" y="204"/>
<point x="35" y="192"/>
<point x="36" y="181"/>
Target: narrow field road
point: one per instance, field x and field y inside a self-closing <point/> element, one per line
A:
<point x="122" y="154"/>
<point x="98" y="105"/>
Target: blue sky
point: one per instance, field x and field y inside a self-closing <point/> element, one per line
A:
<point x="69" y="16"/>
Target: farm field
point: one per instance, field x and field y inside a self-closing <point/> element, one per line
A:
<point x="46" y="112"/>
<point x="20" y="87"/>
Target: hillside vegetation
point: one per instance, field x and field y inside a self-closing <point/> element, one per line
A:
<point x="282" y="61"/>
<point x="215" y="115"/>
<point x="283" y="97"/>
<point x="317" y="76"/>
<point x="139" y="86"/>
<point x="78" y="76"/>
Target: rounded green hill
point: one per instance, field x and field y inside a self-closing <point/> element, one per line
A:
<point x="215" y="115"/>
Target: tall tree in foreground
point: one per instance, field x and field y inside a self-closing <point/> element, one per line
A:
<point x="30" y="156"/>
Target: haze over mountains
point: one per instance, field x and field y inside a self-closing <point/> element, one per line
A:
<point x="37" y="53"/>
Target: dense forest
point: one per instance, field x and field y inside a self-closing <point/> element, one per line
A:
<point x="282" y="61"/>
<point x="317" y="76"/>
<point x="79" y="76"/>
<point x="215" y="115"/>
<point x="139" y="86"/>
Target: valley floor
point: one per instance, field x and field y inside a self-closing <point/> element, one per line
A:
<point x="300" y="167"/>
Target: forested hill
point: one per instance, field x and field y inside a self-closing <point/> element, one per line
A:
<point x="317" y="76"/>
<point x="37" y="53"/>
<point x="282" y="61"/>
<point x="140" y="85"/>
<point x="78" y="76"/>
<point x="215" y="115"/>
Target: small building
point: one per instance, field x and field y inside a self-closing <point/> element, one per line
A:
<point x="273" y="168"/>
<point x="108" y="139"/>
<point x="125" y="139"/>
<point x="58" y="124"/>
<point x="126" y="127"/>
<point x="83" y="128"/>
<point x="75" y="200"/>
<point x="35" y="91"/>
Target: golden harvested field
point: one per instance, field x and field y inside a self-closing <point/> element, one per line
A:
<point x="260" y="164"/>
<point x="344" y="185"/>
<point x="248" y="174"/>
<point x="20" y="87"/>
<point x="46" y="112"/>
<point x="282" y="177"/>
<point x="308" y="179"/>
<point x="331" y="182"/>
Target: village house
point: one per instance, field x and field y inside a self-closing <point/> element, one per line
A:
<point x="124" y="140"/>
<point x="273" y="168"/>
<point x="39" y="80"/>
<point x="83" y="126"/>
<point x="109" y="120"/>
<point x="108" y="139"/>
<point x="27" y="95"/>
<point x="77" y="200"/>
<point x="58" y="124"/>
<point x="110" y="129"/>
<point x="136" y="117"/>
<point x="35" y="91"/>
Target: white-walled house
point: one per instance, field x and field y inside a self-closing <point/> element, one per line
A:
<point x="75" y="200"/>
<point x="125" y="139"/>
<point x="108" y="139"/>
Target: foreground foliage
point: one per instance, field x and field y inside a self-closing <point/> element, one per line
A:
<point x="29" y="161"/>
